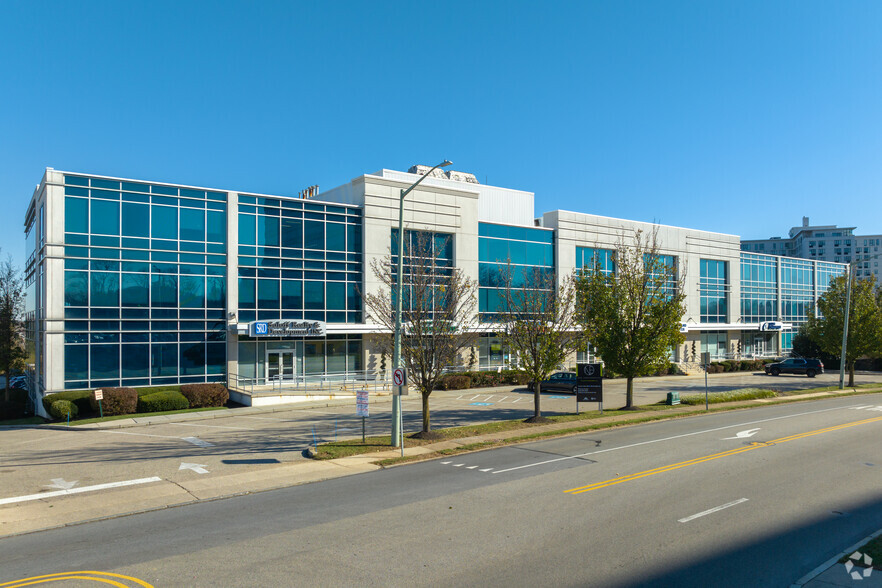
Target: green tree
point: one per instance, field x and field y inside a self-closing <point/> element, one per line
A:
<point x="864" y="321"/>
<point x="537" y="321"/>
<point x="12" y="348"/>
<point x="632" y="314"/>
<point x="438" y="312"/>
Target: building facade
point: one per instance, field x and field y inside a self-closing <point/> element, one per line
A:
<point x="138" y="283"/>
<point x="827" y="243"/>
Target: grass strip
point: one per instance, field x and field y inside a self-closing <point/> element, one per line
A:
<point x="730" y="396"/>
<point x="873" y="548"/>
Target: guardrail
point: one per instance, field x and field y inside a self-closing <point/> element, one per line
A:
<point x="311" y="383"/>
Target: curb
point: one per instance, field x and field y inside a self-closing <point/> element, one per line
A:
<point x="832" y="561"/>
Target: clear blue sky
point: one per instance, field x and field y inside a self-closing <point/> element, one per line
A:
<point x="737" y="117"/>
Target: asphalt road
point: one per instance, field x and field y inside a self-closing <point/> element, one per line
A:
<point x="34" y="458"/>
<point x="746" y="498"/>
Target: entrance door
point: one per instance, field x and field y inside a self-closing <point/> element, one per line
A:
<point x="759" y="346"/>
<point x="279" y="365"/>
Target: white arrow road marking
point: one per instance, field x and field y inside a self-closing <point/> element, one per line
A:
<point x="61" y="484"/>
<point x="197" y="441"/>
<point x="743" y="434"/>
<point x="78" y="490"/>
<point x="199" y="468"/>
<point x="712" y="510"/>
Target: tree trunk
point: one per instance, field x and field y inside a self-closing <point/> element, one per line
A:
<point x="426" y="415"/>
<point x="629" y="393"/>
<point x="850" y="367"/>
<point x="537" y="410"/>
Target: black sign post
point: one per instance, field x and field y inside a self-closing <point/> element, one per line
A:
<point x="589" y="384"/>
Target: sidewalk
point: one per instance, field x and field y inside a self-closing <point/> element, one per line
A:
<point x="832" y="573"/>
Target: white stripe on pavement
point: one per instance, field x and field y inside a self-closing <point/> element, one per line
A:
<point x="79" y="490"/>
<point x="712" y="510"/>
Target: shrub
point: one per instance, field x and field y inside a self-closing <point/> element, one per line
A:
<point x="455" y="382"/>
<point x="79" y="397"/>
<point x="162" y="401"/>
<point x="61" y="409"/>
<point x="515" y="378"/>
<point x="730" y="366"/>
<point x="116" y="401"/>
<point x="203" y="395"/>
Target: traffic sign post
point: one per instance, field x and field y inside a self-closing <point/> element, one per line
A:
<point x="589" y="384"/>
<point x="99" y="396"/>
<point x="399" y="382"/>
<point x="362" y="409"/>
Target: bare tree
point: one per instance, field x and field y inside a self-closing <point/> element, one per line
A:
<point x="12" y="348"/>
<point x="538" y="323"/>
<point x="438" y="311"/>
<point x="632" y="314"/>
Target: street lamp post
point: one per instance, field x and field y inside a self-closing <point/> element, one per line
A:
<point x="848" y="271"/>
<point x="397" y="424"/>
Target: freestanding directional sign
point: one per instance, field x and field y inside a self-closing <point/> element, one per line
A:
<point x="399" y="382"/>
<point x="589" y="382"/>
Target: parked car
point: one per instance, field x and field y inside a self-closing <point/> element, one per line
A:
<point x="558" y="382"/>
<point x="796" y="365"/>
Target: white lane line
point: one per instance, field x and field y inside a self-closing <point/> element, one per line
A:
<point x="471" y="467"/>
<point x="209" y="426"/>
<point x="42" y="495"/>
<point x="712" y="510"/>
<point x="516" y="400"/>
<point x="789" y="416"/>
<point x="265" y="418"/>
<point x="475" y="396"/>
<point x="489" y="397"/>
<point x="503" y="399"/>
<point x="458" y="465"/>
<point x="485" y="470"/>
<point x="446" y="462"/>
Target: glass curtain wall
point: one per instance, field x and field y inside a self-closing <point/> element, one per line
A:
<point x="759" y="288"/>
<point x="144" y="284"/>
<point x="713" y="289"/>
<point x="299" y="260"/>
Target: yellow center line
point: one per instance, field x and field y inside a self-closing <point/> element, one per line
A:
<point x="82" y="575"/>
<point x="706" y="458"/>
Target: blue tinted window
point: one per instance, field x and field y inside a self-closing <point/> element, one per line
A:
<point x="192" y="358"/>
<point x="247" y="296"/>
<point x="215" y="293"/>
<point x="336" y="236"/>
<point x="105" y="217"/>
<point x="314" y="295"/>
<point x="164" y="360"/>
<point x="76" y="288"/>
<point x="192" y="291"/>
<point x="136" y="289"/>
<point x="135" y="220"/>
<point x="292" y="294"/>
<point x="268" y="231"/>
<point x="313" y="234"/>
<point x="135" y="361"/>
<point x="247" y="231"/>
<point x="76" y="180"/>
<point x="336" y="292"/>
<point x="292" y="233"/>
<point x="165" y="222"/>
<point x="215" y="358"/>
<point x="192" y="224"/>
<point x="164" y="291"/>
<point x="267" y="294"/>
<point x="217" y="226"/>
<point x="105" y="289"/>
<point x="76" y="215"/>
<point x="353" y="239"/>
<point x="104" y="361"/>
<point x="76" y="362"/>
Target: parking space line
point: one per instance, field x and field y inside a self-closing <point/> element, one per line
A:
<point x="41" y="495"/>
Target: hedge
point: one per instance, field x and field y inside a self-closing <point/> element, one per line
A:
<point x="62" y="409"/>
<point x="455" y="382"/>
<point x="116" y="401"/>
<point x="79" y="397"/>
<point x="162" y="401"/>
<point x="204" y="395"/>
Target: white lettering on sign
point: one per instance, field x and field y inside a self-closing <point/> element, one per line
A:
<point x="286" y="328"/>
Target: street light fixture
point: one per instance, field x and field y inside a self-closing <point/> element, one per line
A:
<point x="397" y="419"/>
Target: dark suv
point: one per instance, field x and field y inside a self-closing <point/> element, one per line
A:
<point x="796" y="365"/>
